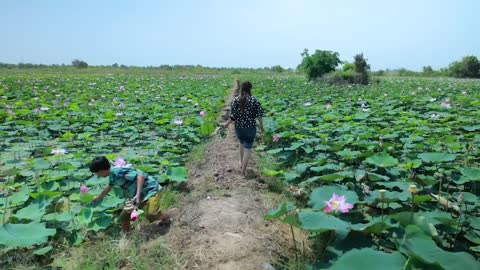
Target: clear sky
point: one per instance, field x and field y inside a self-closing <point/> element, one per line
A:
<point x="238" y="33"/>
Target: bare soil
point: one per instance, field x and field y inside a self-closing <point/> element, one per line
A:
<point x="221" y="225"/>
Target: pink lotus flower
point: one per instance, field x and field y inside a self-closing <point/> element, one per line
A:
<point x="337" y="203"/>
<point x="275" y="138"/>
<point x="203" y="113"/>
<point x="37" y="110"/>
<point x="152" y="134"/>
<point x="59" y="151"/>
<point x="83" y="189"/>
<point x="121" y="163"/>
<point x="178" y="122"/>
<point x="134" y="215"/>
<point x="445" y="105"/>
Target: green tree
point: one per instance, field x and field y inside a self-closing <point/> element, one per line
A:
<point x="427" y="70"/>
<point x="469" y="67"/>
<point x="362" y="68"/>
<point x="278" y="69"/>
<point x="319" y="63"/>
<point x="79" y="63"/>
<point x="347" y="66"/>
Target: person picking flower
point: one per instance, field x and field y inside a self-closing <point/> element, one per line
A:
<point x="142" y="189"/>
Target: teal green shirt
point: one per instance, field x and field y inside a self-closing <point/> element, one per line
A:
<point x="126" y="178"/>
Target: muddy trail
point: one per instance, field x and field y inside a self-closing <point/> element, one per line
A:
<point x="220" y="224"/>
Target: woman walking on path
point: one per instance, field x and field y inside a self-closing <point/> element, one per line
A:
<point x="244" y="111"/>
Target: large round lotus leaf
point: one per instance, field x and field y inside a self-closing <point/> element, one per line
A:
<point x="40" y="164"/>
<point x="100" y="223"/>
<point x="322" y="194"/>
<point x="417" y="244"/>
<point x="319" y="221"/>
<point x="24" y="235"/>
<point x="382" y="160"/>
<point x="471" y="173"/>
<point x="177" y="174"/>
<point x="437" y="157"/>
<point x="61" y="216"/>
<point x="370" y="259"/>
<point x="35" y="210"/>
<point x="281" y="210"/>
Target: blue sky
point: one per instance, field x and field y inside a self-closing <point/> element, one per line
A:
<point x="248" y="33"/>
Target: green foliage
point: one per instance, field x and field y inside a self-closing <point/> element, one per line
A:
<point x="24" y="235"/>
<point x="278" y="69"/>
<point x="319" y="63"/>
<point x="468" y="67"/>
<point x="79" y="63"/>
<point x="361" y="68"/>
<point x="370" y="143"/>
<point x="347" y="66"/>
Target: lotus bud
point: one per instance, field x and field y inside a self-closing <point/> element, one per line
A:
<point x="382" y="194"/>
<point x="83" y="189"/>
<point x="134" y="215"/>
<point x="412" y="189"/>
<point x="461" y="197"/>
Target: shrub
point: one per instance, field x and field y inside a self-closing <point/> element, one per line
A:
<point x="79" y="63"/>
<point x="319" y="63"/>
<point x="469" y="67"/>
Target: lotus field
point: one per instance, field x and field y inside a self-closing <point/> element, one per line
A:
<point x="386" y="175"/>
<point x="53" y="126"/>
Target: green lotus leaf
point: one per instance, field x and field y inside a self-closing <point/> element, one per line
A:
<point x="24" y="235"/>
<point x="43" y="251"/>
<point x="382" y="159"/>
<point x="420" y="246"/>
<point x="100" y="223"/>
<point x="40" y="164"/>
<point x="177" y="174"/>
<point x="370" y="259"/>
<point x="437" y="157"/>
<point x="375" y="225"/>
<point x="471" y="173"/>
<point x="319" y="221"/>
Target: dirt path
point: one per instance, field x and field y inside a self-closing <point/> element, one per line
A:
<point x="221" y="224"/>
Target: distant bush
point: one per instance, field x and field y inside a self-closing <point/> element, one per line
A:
<point x="319" y="63"/>
<point x="361" y="69"/>
<point x="347" y="66"/>
<point x="79" y="63"/>
<point x="278" y="69"/>
<point x="469" y="67"/>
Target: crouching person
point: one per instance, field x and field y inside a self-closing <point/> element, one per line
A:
<point x="143" y="190"/>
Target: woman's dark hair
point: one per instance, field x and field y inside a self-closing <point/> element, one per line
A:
<point x="246" y="90"/>
<point x="99" y="163"/>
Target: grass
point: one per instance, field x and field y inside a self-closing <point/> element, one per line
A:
<point x="169" y="198"/>
<point x="135" y="251"/>
<point x="197" y="154"/>
<point x="274" y="183"/>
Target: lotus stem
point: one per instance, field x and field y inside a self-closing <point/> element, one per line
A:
<point x="294" y="243"/>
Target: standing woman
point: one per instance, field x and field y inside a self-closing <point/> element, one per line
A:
<point x="244" y="111"/>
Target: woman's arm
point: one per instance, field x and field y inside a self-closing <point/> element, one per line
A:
<point x="140" y="180"/>
<point x="260" y="123"/>
<point x="100" y="196"/>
